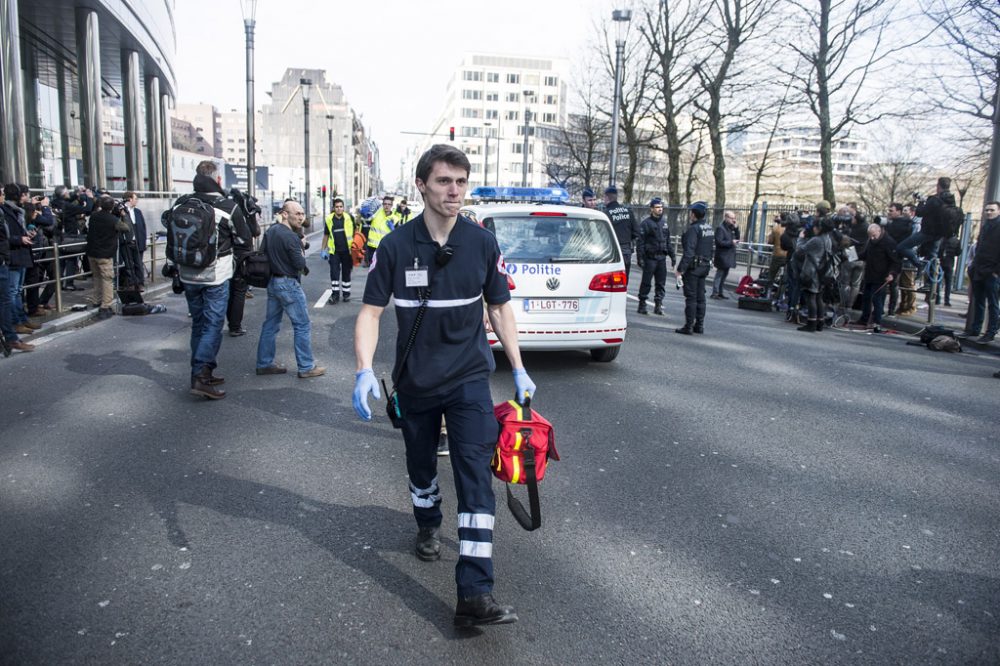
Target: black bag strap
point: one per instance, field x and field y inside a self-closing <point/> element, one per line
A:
<point x="424" y="297"/>
<point x="532" y="521"/>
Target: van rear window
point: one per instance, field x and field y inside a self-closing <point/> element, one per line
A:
<point x="554" y="239"/>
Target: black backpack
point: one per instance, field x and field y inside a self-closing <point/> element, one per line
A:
<point x="257" y="267"/>
<point x="192" y="235"/>
<point x="954" y="218"/>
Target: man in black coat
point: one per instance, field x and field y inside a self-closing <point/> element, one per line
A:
<point x="652" y="247"/>
<point x="697" y="244"/>
<point x="881" y="266"/>
<point x="934" y="223"/>
<point x="985" y="274"/>
<point x="727" y="237"/>
<point x="103" y="233"/>
<point x="7" y="325"/>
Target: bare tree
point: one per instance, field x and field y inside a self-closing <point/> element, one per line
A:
<point x="634" y="105"/>
<point x="669" y="27"/>
<point x="969" y="31"/>
<point x="579" y="151"/>
<point x="733" y="23"/>
<point x="765" y="163"/>
<point x="843" y="46"/>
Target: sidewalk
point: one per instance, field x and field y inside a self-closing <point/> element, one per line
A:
<point x="952" y="317"/>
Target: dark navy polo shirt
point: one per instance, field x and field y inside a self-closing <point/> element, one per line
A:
<point x="450" y="347"/>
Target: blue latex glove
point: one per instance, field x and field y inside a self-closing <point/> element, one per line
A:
<point x="365" y="383"/>
<point x="523" y="386"/>
<point x="324" y="254"/>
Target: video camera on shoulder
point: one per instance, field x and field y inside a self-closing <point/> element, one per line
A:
<point x="247" y="203"/>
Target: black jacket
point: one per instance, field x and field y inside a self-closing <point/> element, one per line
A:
<point x="697" y="244"/>
<point x="141" y="234"/>
<point x="102" y="234"/>
<point x="859" y="233"/>
<point x="934" y="221"/>
<point x="4" y="243"/>
<point x="626" y="228"/>
<point x="726" y="238"/>
<point x="20" y="254"/>
<point x="284" y="251"/>
<point x="987" y="259"/>
<point x="235" y="236"/>
<point x="653" y="241"/>
<point x="880" y="259"/>
<point x="899" y="228"/>
<point x="74" y="215"/>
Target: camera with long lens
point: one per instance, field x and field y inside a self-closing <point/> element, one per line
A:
<point x="247" y="203"/>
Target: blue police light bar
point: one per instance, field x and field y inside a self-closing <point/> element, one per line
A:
<point x="551" y="195"/>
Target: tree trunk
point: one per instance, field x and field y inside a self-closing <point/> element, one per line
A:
<point x="823" y="103"/>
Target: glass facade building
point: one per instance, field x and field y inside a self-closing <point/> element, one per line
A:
<point x="86" y="93"/>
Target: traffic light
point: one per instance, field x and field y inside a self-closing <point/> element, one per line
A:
<point x="451" y="133"/>
<point x="324" y="191"/>
<point x="319" y="191"/>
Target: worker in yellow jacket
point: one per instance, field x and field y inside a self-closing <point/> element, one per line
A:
<point x="384" y="221"/>
<point x="336" y="248"/>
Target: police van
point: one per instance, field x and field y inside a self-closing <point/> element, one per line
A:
<point x="564" y="269"/>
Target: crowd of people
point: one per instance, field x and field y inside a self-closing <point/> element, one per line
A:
<point x="840" y="257"/>
<point x="94" y="231"/>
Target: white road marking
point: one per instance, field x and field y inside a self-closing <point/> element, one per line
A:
<point x="322" y="299"/>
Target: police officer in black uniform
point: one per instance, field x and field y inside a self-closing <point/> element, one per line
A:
<point x="439" y="268"/>
<point x="626" y="228"/>
<point x="698" y="243"/>
<point x="652" y="247"/>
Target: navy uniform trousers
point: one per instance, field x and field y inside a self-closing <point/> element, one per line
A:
<point x="472" y="438"/>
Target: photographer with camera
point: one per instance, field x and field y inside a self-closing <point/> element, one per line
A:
<point x="41" y="220"/>
<point x="102" y="245"/>
<point x="71" y="230"/>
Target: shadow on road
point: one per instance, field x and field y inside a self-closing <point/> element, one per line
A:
<point x="326" y="525"/>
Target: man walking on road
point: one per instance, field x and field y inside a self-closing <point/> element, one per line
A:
<point x="382" y="223"/>
<point x="652" y="247"/>
<point x="337" y="238"/>
<point x="439" y="269"/>
<point x="624" y="224"/>
<point x="284" y="294"/>
<point x="207" y="289"/>
<point x="697" y="243"/>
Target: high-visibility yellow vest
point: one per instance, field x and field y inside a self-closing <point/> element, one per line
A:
<point x="348" y="231"/>
<point x="380" y="226"/>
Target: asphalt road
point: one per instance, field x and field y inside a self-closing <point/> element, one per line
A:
<point x="755" y="495"/>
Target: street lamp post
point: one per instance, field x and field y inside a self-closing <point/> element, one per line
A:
<point x="305" y="84"/>
<point x="249" y="21"/>
<point x="527" y="131"/>
<point x="620" y="17"/>
<point x="486" y="155"/>
<point x="329" y="160"/>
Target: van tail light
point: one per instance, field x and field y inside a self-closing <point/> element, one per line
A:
<point x="609" y="282"/>
<point x="510" y="282"/>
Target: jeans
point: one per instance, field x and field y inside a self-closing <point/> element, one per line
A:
<point x="907" y="248"/>
<point x="719" y="284"/>
<point x="285" y="295"/>
<point x="851" y="274"/>
<point x="873" y="301"/>
<point x="985" y="292"/>
<point x="207" y="305"/>
<point x="16" y="281"/>
<point x="6" y="306"/>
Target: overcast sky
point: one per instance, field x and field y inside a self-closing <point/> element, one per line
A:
<point x="393" y="58"/>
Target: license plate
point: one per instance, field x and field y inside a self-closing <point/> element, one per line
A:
<point x="551" y="305"/>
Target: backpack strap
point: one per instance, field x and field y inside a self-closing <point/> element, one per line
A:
<point x="533" y="520"/>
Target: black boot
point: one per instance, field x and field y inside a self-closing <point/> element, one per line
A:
<point x="684" y="330"/>
<point x="658" y="308"/>
<point x="699" y="327"/>
<point x="482" y="609"/>
<point x="203" y="384"/>
<point x="428" y="546"/>
<point x="642" y="306"/>
<point x="334" y="297"/>
<point x="810" y="326"/>
<point x="347" y="297"/>
<point x="820" y="323"/>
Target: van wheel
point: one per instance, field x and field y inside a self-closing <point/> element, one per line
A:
<point x="605" y="354"/>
